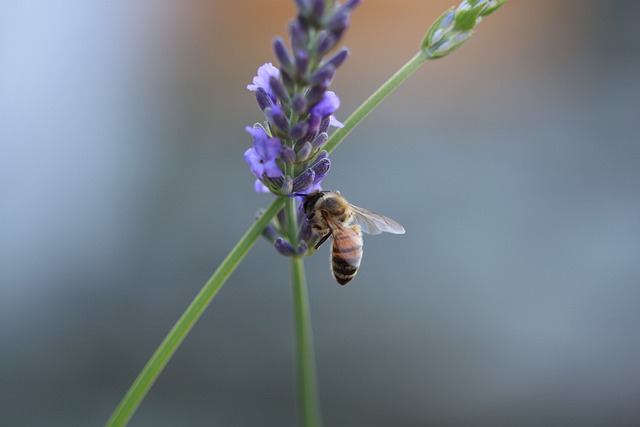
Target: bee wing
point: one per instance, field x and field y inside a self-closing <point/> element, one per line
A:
<point x="375" y="223"/>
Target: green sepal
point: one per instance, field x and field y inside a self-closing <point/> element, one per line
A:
<point x="466" y="19"/>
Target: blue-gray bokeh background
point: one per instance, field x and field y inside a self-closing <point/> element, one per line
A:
<point x="514" y="166"/>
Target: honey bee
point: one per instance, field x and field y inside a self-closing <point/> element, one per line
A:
<point x="331" y="215"/>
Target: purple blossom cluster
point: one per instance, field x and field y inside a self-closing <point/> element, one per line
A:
<point x="287" y="156"/>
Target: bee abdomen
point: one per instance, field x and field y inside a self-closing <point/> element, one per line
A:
<point x="345" y="263"/>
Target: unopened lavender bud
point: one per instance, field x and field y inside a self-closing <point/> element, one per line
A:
<point x="277" y="117"/>
<point x="304" y="151"/>
<point x="338" y="23"/>
<point x="323" y="76"/>
<point x="320" y="140"/>
<point x="270" y="233"/>
<point x="287" y="79"/>
<point x="299" y="104"/>
<point x="303" y="181"/>
<point x="302" y="61"/>
<point x="326" y="42"/>
<point x="287" y="154"/>
<point x="263" y="99"/>
<point x="305" y="230"/>
<point x="315" y="94"/>
<point x="318" y="8"/>
<point x="321" y="155"/>
<point x="324" y="124"/>
<point x="274" y="183"/>
<point x="337" y="59"/>
<point x="279" y="90"/>
<point x="281" y="52"/>
<point x="283" y="247"/>
<point x="298" y="130"/>
<point x="296" y="35"/>
<point x="321" y="167"/>
<point x="303" y="248"/>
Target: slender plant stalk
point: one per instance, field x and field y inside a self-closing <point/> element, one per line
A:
<point x="376" y="98"/>
<point x="309" y="412"/>
<point x="308" y="402"/>
<point x="304" y="343"/>
<point x="167" y="348"/>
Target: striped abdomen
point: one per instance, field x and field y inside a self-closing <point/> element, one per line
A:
<point x="346" y="253"/>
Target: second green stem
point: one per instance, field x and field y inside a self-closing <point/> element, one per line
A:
<point x="307" y="385"/>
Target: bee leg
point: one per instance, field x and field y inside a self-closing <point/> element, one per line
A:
<point x="322" y="240"/>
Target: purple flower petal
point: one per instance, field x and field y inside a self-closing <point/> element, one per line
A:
<point x="260" y="187"/>
<point x="335" y="122"/>
<point x="262" y="157"/>
<point x="327" y="105"/>
<point x="265" y="72"/>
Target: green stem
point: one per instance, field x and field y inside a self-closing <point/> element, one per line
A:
<point x="306" y="368"/>
<point x="376" y="98"/>
<point x="167" y="348"/>
<point x="308" y="401"/>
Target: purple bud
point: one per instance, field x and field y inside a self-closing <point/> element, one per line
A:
<point x="303" y="248"/>
<point x="326" y="42"/>
<point x="324" y="124"/>
<point x="338" y="22"/>
<point x="274" y="182"/>
<point x="278" y="90"/>
<point x="298" y="130"/>
<point x="303" y="151"/>
<point x="299" y="104"/>
<point x="277" y="117"/>
<point x="287" y="154"/>
<point x="318" y="9"/>
<point x="323" y="76"/>
<point x="315" y="94"/>
<point x="303" y="181"/>
<point x="302" y="61"/>
<point x="321" y="167"/>
<point x="305" y="230"/>
<point x="320" y="140"/>
<point x="337" y="59"/>
<point x="283" y="247"/>
<point x="287" y="80"/>
<point x="281" y="52"/>
<point x="270" y="232"/>
<point x="321" y="155"/>
<point x="297" y="36"/>
<point x="263" y="99"/>
<point x="314" y="123"/>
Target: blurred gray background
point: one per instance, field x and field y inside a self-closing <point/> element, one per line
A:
<point x="513" y="164"/>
